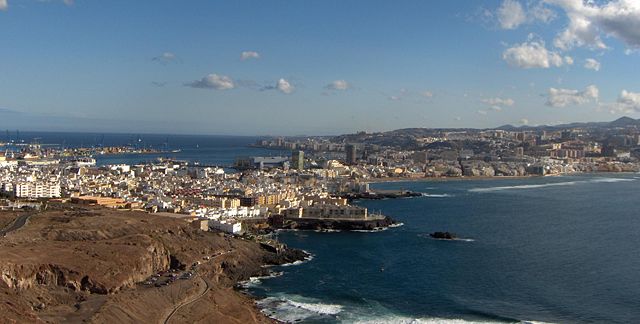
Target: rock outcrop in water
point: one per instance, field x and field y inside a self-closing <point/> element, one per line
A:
<point x="443" y="235"/>
<point x="338" y="224"/>
<point x="381" y="194"/>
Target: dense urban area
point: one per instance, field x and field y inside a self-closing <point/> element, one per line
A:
<point x="320" y="176"/>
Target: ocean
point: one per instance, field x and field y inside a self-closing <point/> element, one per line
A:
<point x="205" y="149"/>
<point x="552" y="250"/>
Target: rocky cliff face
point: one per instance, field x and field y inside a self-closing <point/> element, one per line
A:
<point x="73" y="270"/>
<point x="151" y="257"/>
<point x="65" y="264"/>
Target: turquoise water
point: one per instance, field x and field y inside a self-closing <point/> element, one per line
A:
<point x="560" y="249"/>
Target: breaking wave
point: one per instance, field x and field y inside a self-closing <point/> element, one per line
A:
<point x="375" y="230"/>
<point x="295" y="308"/>
<point x="424" y="194"/>
<point x="379" y="229"/>
<point x="609" y="180"/>
<point x="552" y="184"/>
<point x="426" y="320"/>
<point x="255" y="281"/>
<point x="308" y="258"/>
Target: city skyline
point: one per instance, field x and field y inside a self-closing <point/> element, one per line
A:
<point x="321" y="68"/>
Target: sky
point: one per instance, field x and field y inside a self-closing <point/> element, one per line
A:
<point x="303" y="67"/>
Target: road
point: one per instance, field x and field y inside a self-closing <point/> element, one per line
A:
<point x="190" y="301"/>
<point x="17" y="223"/>
<point x="197" y="297"/>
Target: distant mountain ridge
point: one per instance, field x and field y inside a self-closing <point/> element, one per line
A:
<point x="406" y="137"/>
<point x="620" y="122"/>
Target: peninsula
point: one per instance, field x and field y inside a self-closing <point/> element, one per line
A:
<point x="75" y="263"/>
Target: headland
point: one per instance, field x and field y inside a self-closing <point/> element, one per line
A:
<point x="91" y="264"/>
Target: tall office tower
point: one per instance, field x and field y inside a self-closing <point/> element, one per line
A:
<point x="350" y="149"/>
<point x="297" y="160"/>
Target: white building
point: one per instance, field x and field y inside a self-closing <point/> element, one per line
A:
<point x="238" y="212"/>
<point x="36" y="190"/>
<point x="228" y="226"/>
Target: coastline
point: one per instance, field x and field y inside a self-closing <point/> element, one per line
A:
<point x="443" y="179"/>
<point x="243" y="287"/>
<point x="483" y="178"/>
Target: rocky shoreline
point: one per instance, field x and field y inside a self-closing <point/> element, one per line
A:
<point x="380" y="194"/>
<point x="339" y="224"/>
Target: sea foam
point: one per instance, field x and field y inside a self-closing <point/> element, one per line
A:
<point x="290" y="308"/>
<point x="424" y="194"/>
<point x="294" y="308"/>
<point x="551" y="184"/>
<point x="255" y="281"/>
<point x="308" y="258"/>
<point x="408" y="320"/>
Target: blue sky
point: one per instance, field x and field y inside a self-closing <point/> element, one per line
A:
<point x="314" y="67"/>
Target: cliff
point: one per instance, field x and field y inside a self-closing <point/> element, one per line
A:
<point x="77" y="264"/>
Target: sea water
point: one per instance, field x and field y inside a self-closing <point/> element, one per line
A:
<point x="205" y="149"/>
<point x="551" y="249"/>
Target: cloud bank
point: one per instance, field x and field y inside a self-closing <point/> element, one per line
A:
<point x="534" y="54"/>
<point x="568" y="97"/>
<point x="589" y="20"/>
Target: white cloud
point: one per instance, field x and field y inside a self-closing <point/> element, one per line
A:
<point x="168" y="56"/>
<point x="592" y="64"/>
<point x="246" y="55"/>
<point x="630" y="99"/>
<point x="511" y="14"/>
<point x="164" y="58"/>
<point x="284" y="86"/>
<point x="628" y="102"/>
<point x="482" y="112"/>
<point x="524" y="121"/>
<point x="533" y="54"/>
<point x="589" y="20"/>
<point x="68" y="2"/>
<point x="338" y="85"/>
<point x="541" y="13"/>
<point x="499" y="102"/>
<point x="213" y="81"/>
<point x="566" y="97"/>
<point x="281" y="85"/>
<point x="4" y="5"/>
